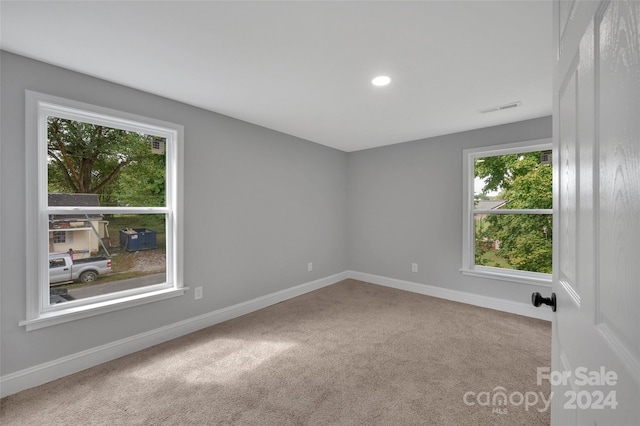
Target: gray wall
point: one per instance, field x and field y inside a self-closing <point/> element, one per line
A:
<point x="405" y="206"/>
<point x="258" y="206"/>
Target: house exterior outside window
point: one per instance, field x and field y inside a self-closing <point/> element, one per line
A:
<point x="83" y="234"/>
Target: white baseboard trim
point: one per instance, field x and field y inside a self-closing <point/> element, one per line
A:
<point x="519" y="308"/>
<point x="43" y="373"/>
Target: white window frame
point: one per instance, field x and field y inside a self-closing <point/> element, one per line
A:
<point x="39" y="312"/>
<point x="468" y="223"/>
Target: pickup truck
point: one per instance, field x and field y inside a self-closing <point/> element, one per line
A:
<point x="63" y="269"/>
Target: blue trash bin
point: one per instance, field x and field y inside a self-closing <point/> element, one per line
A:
<point x="136" y="239"/>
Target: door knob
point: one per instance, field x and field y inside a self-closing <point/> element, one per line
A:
<point x="537" y="300"/>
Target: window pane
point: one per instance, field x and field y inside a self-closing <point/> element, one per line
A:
<point x="514" y="241"/>
<point x="92" y="165"/>
<point x="106" y="254"/>
<point x="514" y="181"/>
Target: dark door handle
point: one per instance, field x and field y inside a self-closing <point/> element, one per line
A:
<point x="537" y="300"/>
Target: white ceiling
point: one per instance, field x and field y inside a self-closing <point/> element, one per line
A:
<point x="304" y="68"/>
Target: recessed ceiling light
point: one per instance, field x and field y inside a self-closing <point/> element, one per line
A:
<point x="381" y="80"/>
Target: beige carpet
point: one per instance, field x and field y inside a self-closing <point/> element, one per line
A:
<point x="348" y="354"/>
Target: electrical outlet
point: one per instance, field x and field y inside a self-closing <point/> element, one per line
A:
<point x="414" y="267"/>
<point x="309" y="267"/>
<point x="197" y="293"/>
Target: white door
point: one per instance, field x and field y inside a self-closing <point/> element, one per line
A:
<point x="596" y="328"/>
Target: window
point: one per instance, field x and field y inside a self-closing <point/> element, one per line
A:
<point x="56" y="263"/>
<point x="507" y="229"/>
<point x="60" y="237"/>
<point x="157" y="146"/>
<point x="105" y="194"/>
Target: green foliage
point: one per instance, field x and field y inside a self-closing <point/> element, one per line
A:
<point x="501" y="171"/>
<point x="491" y="258"/>
<point x="143" y="184"/>
<point x="117" y="164"/>
<point x="524" y="240"/>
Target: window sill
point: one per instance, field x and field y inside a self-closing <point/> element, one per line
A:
<point x="71" y="314"/>
<point x="531" y="278"/>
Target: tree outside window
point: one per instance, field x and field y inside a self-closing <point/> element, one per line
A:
<point x="512" y="220"/>
<point x="508" y="212"/>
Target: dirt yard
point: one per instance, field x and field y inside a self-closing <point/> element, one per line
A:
<point x="148" y="261"/>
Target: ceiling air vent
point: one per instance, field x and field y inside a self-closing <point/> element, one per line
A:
<point x="500" y="108"/>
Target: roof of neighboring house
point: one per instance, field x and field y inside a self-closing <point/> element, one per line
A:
<point x="490" y="204"/>
<point x="75" y="200"/>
